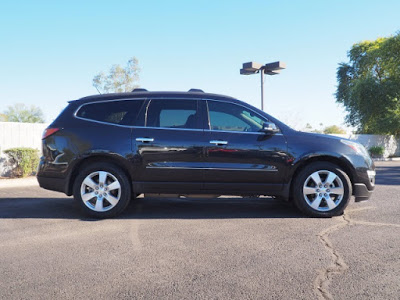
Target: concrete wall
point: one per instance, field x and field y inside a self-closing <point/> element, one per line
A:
<point x="18" y="135"/>
<point x="390" y="142"/>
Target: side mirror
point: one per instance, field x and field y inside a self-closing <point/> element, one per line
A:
<point x="269" y="128"/>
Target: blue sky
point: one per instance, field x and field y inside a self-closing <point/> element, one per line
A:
<point x="50" y="50"/>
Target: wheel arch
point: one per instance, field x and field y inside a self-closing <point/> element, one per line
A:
<point x="96" y="158"/>
<point x="341" y="162"/>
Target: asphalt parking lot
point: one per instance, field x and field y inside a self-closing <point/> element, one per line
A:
<point x="230" y="248"/>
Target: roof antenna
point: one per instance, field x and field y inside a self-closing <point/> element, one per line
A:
<point x="97" y="90"/>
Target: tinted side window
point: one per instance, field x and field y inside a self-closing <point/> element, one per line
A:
<point x="232" y="117"/>
<point x="172" y="114"/>
<point x="115" y="112"/>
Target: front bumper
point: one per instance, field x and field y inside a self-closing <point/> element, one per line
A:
<point x="363" y="192"/>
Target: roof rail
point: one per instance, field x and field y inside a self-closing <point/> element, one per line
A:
<point x="139" y="90"/>
<point x="196" y="91"/>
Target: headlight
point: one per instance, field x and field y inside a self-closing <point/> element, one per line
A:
<point x="358" y="148"/>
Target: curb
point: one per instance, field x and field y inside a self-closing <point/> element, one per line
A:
<point x="387" y="159"/>
<point x="18" y="182"/>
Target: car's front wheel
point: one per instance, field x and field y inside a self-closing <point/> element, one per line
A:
<point x="102" y="190"/>
<point x="322" y="189"/>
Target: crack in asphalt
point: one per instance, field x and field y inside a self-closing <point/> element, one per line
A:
<point x="338" y="265"/>
<point x="134" y="235"/>
<point x="354" y="222"/>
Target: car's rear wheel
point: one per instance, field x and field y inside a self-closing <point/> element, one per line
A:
<point x="322" y="189"/>
<point x="102" y="190"/>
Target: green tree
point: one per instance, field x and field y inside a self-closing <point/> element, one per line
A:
<point x="308" y="127"/>
<point x="369" y="86"/>
<point x="21" y="113"/>
<point x="118" y="79"/>
<point x="3" y="118"/>
<point x="334" y="129"/>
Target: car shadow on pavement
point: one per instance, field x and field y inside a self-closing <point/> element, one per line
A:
<point x="153" y="208"/>
<point x="389" y="175"/>
<point x="214" y="208"/>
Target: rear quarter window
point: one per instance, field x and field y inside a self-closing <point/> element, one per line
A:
<point x="114" y="112"/>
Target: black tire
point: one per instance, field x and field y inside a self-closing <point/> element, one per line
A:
<point x="304" y="183"/>
<point x="113" y="200"/>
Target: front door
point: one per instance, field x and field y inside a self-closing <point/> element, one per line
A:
<point x="239" y="156"/>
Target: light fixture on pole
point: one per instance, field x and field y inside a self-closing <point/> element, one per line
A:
<point x="252" y="67"/>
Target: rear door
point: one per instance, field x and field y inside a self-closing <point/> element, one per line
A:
<point x="168" y="149"/>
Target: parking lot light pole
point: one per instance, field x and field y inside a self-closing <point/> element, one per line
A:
<point x="252" y="67"/>
<point x="262" y="88"/>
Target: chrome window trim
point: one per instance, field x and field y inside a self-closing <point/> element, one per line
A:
<point x="105" y="101"/>
<point x="166" y="128"/>
<point x="239" y="104"/>
<point x="241" y="132"/>
<point x="204" y="130"/>
<point x="146" y="111"/>
<point x="171" y="98"/>
<point x="208" y="116"/>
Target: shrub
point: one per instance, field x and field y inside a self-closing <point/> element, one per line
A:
<point x="334" y="129"/>
<point x="376" y="151"/>
<point x="25" y="160"/>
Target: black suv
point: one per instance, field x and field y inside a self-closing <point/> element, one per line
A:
<point x="107" y="149"/>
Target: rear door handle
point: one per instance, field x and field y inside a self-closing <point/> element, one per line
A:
<point x="144" y="140"/>
<point x="219" y="143"/>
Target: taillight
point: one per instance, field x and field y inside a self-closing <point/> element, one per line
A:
<point x="49" y="131"/>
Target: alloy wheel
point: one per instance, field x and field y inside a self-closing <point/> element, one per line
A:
<point x="100" y="191"/>
<point x="323" y="190"/>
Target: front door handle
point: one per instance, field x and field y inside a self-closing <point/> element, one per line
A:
<point x="219" y="143"/>
<point x="144" y="140"/>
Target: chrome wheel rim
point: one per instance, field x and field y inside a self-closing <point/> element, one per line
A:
<point x="323" y="190"/>
<point x="100" y="191"/>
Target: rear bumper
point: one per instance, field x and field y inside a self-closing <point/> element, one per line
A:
<point x="51" y="183"/>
